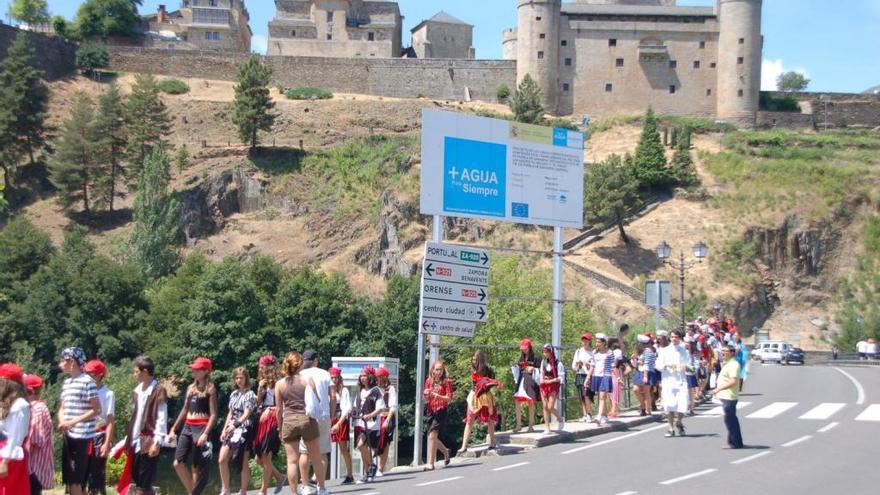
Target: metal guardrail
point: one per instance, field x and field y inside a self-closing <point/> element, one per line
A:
<point x="609" y="283"/>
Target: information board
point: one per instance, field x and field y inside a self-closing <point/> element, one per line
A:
<point x="496" y="169"/>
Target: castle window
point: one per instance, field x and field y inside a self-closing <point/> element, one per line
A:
<point x="542" y="36"/>
<point x="672" y="89"/>
<point x="293" y="33"/>
<point x="709" y="92"/>
<point x="540" y="55"/>
<point x="739" y="93"/>
<point x="565" y="87"/>
<point x="538" y="18"/>
<point x="212" y="3"/>
<point x="329" y="16"/>
<point x="212" y="36"/>
<point x="702" y="45"/>
<point x="713" y="65"/>
<point x="329" y="37"/>
<point x="740" y="60"/>
<point x="696" y="64"/>
<point x="609" y="87"/>
<point x="673" y="64"/>
<point x="612" y="42"/>
<point x="568" y="62"/>
<point x="618" y="62"/>
<point x="564" y="42"/>
<point x="742" y="41"/>
<point x="371" y="36"/>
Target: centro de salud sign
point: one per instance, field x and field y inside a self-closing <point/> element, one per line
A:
<point x="496" y="169"/>
<point x="455" y="289"/>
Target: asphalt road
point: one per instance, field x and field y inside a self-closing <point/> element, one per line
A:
<point x="804" y="438"/>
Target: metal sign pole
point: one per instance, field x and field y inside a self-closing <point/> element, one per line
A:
<point x="556" y="341"/>
<point x="420" y="363"/>
<point x="657" y="306"/>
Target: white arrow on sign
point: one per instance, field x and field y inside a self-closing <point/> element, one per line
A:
<point x="453" y="272"/>
<point x="449" y="291"/>
<point x="456" y="254"/>
<point x="451" y="328"/>
<point x="451" y="310"/>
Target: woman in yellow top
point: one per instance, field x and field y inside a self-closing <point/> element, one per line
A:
<point x="727" y="390"/>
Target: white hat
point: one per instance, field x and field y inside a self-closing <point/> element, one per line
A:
<point x="662" y="333"/>
<point x="644" y="339"/>
<point x="690" y="339"/>
<point x="601" y="336"/>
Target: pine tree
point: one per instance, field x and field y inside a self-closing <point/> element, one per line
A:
<point x="156" y="231"/>
<point x="253" y="105"/>
<point x="682" y="167"/>
<point x="23" y="100"/>
<point x="72" y="168"/>
<point x="650" y="159"/>
<point x="526" y="102"/>
<point x="609" y="190"/>
<point x="181" y="159"/>
<point x="110" y="130"/>
<point x="147" y="122"/>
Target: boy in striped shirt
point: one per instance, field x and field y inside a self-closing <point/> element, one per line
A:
<point x="76" y="419"/>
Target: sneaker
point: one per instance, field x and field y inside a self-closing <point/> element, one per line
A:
<point x="561" y="425"/>
<point x="589" y="418"/>
<point x="603" y="421"/>
<point x="279" y="486"/>
<point x="348" y="480"/>
<point x="379" y="473"/>
<point x="363" y="479"/>
<point x="323" y="491"/>
<point x="612" y="415"/>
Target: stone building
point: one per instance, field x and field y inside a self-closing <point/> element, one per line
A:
<point x="620" y="56"/>
<point x="200" y="25"/>
<point x="336" y="28"/>
<point x="443" y="36"/>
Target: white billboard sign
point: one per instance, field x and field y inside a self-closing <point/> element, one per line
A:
<point x="501" y="170"/>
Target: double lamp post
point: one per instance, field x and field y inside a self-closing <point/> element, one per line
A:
<point x="664" y="252"/>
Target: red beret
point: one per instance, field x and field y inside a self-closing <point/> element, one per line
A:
<point x="11" y="371"/>
<point x="201" y="363"/>
<point x="334" y="371"/>
<point x="32" y="381"/>
<point x="525" y="344"/>
<point x="95" y="366"/>
<point x="368" y="370"/>
<point x="383" y="372"/>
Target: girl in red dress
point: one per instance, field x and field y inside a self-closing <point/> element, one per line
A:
<point x="15" y="417"/>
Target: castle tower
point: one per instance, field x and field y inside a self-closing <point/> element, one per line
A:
<point x="739" y="60"/>
<point x="537" y="46"/>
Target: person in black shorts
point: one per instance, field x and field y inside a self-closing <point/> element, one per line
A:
<point x="198" y="415"/>
<point x="77" y="419"/>
<point x="146" y="431"/>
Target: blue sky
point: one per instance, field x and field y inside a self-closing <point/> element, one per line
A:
<point x="836" y="43"/>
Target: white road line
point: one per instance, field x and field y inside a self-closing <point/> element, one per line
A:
<point x="828" y="427"/>
<point x="511" y="466"/>
<point x="797" y="441"/>
<point x="688" y="476"/>
<point x="823" y="411"/>
<point x="444" y="480"/>
<point x="717" y="412"/>
<point x="772" y="410"/>
<point x="872" y="413"/>
<point x="859" y="389"/>
<point x="752" y="457"/>
<point x="627" y="493"/>
<point x="590" y="446"/>
<point x="370" y="493"/>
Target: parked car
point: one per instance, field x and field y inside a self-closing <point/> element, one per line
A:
<point x="794" y="355"/>
<point x="772" y="351"/>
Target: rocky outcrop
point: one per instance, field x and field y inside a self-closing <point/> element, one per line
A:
<point x="385" y="255"/>
<point x="753" y="310"/>
<point x="205" y="208"/>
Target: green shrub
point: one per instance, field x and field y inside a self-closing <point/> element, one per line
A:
<point x="778" y="103"/>
<point x="503" y="92"/>
<point x="308" y="94"/>
<point x="91" y="56"/>
<point x="173" y="86"/>
<point x="561" y="123"/>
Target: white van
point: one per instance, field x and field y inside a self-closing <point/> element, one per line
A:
<point x="772" y="351"/>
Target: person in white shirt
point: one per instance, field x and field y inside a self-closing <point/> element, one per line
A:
<point x="871" y="349"/>
<point x="600" y="374"/>
<point x="104" y="428"/>
<point x="552" y="380"/>
<point x="862" y="349"/>
<point x="580" y="363"/>
<point x="148" y="428"/>
<point x="389" y="416"/>
<point x="340" y="422"/>
<point x="673" y="362"/>
<point x="15" y="418"/>
<point x="327" y="396"/>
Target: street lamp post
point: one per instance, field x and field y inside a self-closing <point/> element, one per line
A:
<point x="664" y="251"/>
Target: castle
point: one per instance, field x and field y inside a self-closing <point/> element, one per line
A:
<point x="620" y="56"/>
<point x="336" y="28"/>
<point x="221" y="25"/>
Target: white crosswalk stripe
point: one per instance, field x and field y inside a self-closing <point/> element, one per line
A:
<point x="823" y="411"/>
<point x="719" y="411"/>
<point x="771" y="411"/>
<point x="872" y="413"/>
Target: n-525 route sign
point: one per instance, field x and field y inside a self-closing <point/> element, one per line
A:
<point x="455" y="289"/>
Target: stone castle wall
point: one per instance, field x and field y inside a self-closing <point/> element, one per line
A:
<point x="405" y="78"/>
<point x="55" y="56"/>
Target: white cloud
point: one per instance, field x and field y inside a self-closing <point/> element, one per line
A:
<point x="771" y="70"/>
<point x="259" y="44"/>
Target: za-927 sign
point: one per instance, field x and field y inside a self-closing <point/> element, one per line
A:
<point x="500" y="170"/>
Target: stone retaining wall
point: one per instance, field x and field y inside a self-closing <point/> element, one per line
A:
<point x="55" y="56"/>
